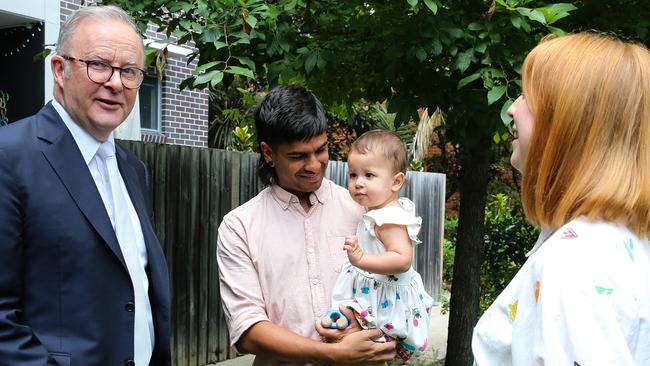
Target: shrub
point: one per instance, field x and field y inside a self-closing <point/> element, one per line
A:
<point x="507" y="239"/>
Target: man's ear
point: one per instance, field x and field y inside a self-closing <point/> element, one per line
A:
<point x="398" y="181"/>
<point x="58" y="68"/>
<point x="267" y="152"/>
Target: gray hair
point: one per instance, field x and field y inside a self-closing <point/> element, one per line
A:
<point x="107" y="12"/>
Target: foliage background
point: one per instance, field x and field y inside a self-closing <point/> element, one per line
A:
<point x="463" y="56"/>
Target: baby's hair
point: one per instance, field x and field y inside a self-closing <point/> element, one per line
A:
<point x="385" y="143"/>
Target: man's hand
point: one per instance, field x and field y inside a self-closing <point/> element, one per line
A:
<point x="361" y="347"/>
<point x="355" y="254"/>
<point x="355" y="345"/>
<point x="336" y="335"/>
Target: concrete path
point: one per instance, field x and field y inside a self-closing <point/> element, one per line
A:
<point x="436" y="351"/>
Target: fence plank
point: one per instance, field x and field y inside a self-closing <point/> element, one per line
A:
<point x="193" y="188"/>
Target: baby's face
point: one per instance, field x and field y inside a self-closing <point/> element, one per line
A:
<point x="371" y="180"/>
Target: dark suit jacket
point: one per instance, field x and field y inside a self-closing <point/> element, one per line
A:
<point x="65" y="293"/>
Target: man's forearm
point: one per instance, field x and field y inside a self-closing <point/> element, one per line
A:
<point x="266" y="338"/>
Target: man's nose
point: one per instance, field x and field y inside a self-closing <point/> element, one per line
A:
<point x="312" y="163"/>
<point x="115" y="81"/>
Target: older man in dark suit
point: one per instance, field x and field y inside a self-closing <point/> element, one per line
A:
<point x="83" y="280"/>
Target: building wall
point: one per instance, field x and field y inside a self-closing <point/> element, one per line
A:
<point x="184" y="114"/>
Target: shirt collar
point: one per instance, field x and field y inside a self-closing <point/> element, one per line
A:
<point x="87" y="144"/>
<point x="286" y="198"/>
<point x="544" y="234"/>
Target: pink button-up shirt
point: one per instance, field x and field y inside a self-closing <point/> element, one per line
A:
<point x="279" y="263"/>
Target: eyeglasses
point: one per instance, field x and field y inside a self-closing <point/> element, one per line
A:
<point x="100" y="72"/>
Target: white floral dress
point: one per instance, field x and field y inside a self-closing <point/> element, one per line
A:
<point x="397" y="304"/>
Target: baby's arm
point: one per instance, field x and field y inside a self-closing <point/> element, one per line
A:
<point x="397" y="257"/>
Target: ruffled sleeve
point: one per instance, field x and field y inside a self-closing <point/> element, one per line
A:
<point x="403" y="215"/>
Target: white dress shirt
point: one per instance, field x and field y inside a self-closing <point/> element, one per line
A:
<point x="88" y="147"/>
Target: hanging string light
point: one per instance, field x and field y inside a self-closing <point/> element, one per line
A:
<point x="21" y="36"/>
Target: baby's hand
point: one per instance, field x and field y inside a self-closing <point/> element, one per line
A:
<point x="351" y="246"/>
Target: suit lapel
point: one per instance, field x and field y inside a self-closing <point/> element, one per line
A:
<point x="63" y="154"/>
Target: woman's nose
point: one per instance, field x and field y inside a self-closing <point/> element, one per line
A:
<point x="513" y="108"/>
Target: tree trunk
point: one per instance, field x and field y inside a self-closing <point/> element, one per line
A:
<point x="469" y="252"/>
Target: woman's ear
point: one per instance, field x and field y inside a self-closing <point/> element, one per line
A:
<point x="398" y="181"/>
<point x="267" y="153"/>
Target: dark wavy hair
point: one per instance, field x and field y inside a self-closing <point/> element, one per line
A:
<point x="286" y="114"/>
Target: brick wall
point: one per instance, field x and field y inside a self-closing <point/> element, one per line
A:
<point x="184" y="114"/>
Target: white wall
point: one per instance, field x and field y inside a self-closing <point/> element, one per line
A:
<point x="47" y="11"/>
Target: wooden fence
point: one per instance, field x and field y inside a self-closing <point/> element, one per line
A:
<point x="193" y="188"/>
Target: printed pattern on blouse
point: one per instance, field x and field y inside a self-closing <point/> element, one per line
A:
<point x="581" y="298"/>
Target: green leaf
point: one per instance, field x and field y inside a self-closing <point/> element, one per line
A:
<point x="555" y="12"/>
<point x="515" y="20"/>
<point x="436" y="47"/>
<point x="474" y="26"/>
<point x="246" y="62"/>
<point x="42" y="55"/>
<point x="178" y="6"/>
<point x="421" y="54"/>
<point x="219" y="44"/>
<point x="203" y="68"/>
<point x="557" y="31"/>
<point x="243" y="40"/>
<point x="455" y="33"/>
<point x="185" y="83"/>
<point x="495" y="93"/>
<point x="216" y="79"/>
<point x="495" y="73"/>
<point x="284" y="45"/>
<point x="481" y="47"/>
<point x="310" y="62"/>
<point x="240" y="71"/>
<point x="432" y="6"/>
<point x="505" y="118"/>
<point x="464" y="59"/>
<point x="204" y="78"/>
<point x="251" y="20"/>
<point x="186" y="24"/>
<point x="290" y="5"/>
<point x="202" y="8"/>
<point x="210" y="34"/>
<point x="320" y="63"/>
<point x="467" y="80"/>
<point x="532" y="14"/>
<point x="413" y="3"/>
<point x="496" y="138"/>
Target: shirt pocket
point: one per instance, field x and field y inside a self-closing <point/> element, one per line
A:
<point x="336" y="253"/>
<point x="335" y="241"/>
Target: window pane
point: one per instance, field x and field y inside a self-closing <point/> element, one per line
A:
<point x="149" y="103"/>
